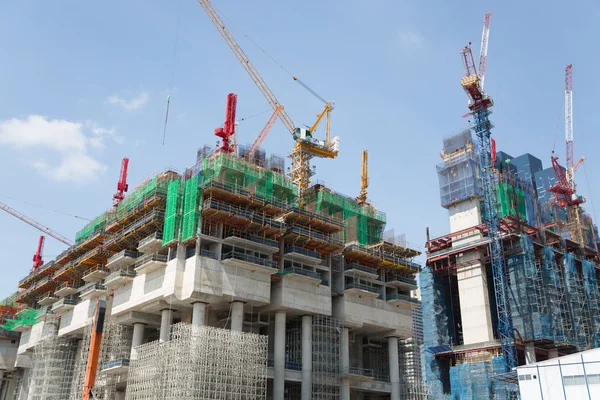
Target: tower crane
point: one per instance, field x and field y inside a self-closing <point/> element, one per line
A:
<point x="37" y="257"/>
<point x="36" y="224"/>
<point x="122" y="185"/>
<point x="228" y="129"/>
<point x="564" y="189"/>
<point x="364" y="178"/>
<point x="307" y="147"/>
<point x="480" y="108"/>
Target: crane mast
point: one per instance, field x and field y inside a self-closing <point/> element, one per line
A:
<point x="364" y="178"/>
<point x="36" y="224"/>
<point x="263" y="133"/>
<point x="122" y="185"/>
<point x="37" y="257"/>
<point x="480" y="109"/>
<point x="228" y="129"/>
<point x="569" y="125"/>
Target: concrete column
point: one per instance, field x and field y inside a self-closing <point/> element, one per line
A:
<point x="553" y="353"/>
<point x="306" y="357"/>
<point x="166" y="319"/>
<point x="474" y="303"/>
<point x="119" y="395"/>
<point x="529" y="354"/>
<point x="279" y="356"/>
<point x="24" y="385"/>
<point x="345" y="367"/>
<point x="199" y="313"/>
<point x="359" y="351"/>
<point x="394" y="367"/>
<point x="237" y="316"/>
<point x="138" y="338"/>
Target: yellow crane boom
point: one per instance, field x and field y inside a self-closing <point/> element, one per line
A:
<point x="246" y="63"/>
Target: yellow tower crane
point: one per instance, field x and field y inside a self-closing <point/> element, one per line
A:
<point x="364" y="179"/>
<point x="306" y="146"/>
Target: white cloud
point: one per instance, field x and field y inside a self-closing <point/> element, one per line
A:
<point x="411" y="39"/>
<point x="134" y="103"/>
<point x="64" y="144"/>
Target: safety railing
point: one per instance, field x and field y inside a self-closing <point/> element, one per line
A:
<point x="400" y="278"/>
<point x="360" y="286"/>
<point x="147" y="239"/>
<point x="302" y="271"/>
<point x="358" y="267"/>
<point x="119" y="274"/>
<point x="208" y="253"/>
<point x="124" y="253"/>
<point x="402" y="297"/>
<point x="146" y="258"/>
<point x="300" y="250"/>
<point x="248" y="258"/>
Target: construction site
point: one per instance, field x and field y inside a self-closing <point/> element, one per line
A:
<point x="229" y="280"/>
<point x="514" y="282"/>
<point x="238" y="277"/>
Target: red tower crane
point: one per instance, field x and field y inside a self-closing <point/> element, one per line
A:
<point x="122" y="185"/>
<point x="228" y="129"/>
<point x="37" y="257"/>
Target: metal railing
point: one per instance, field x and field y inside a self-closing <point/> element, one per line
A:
<point x="190" y="252"/>
<point x="97" y="268"/>
<point x="154" y="236"/>
<point x="91" y="286"/>
<point x="262" y="240"/>
<point x="146" y="258"/>
<point x="64" y="301"/>
<point x="360" y="286"/>
<point x="124" y="253"/>
<point x="248" y="258"/>
<point x="300" y="250"/>
<point x="325" y="218"/>
<point x="359" y="371"/>
<point x="402" y="297"/>
<point x="315" y="235"/>
<point x="358" y="267"/>
<point x="37" y="271"/>
<point x="217" y="205"/>
<point x="208" y="253"/>
<point x="400" y="278"/>
<point x="119" y="274"/>
<point x="123" y="362"/>
<point x="301" y="271"/>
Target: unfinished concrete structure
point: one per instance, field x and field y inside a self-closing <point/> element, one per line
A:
<point x="222" y="254"/>
<point x="553" y="289"/>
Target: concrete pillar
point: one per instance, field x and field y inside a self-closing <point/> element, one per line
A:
<point x="553" y="353"/>
<point x="474" y="303"/>
<point x="529" y="354"/>
<point x="199" y="313"/>
<point x="119" y="395"/>
<point x="279" y="356"/>
<point x="237" y="316"/>
<point x="166" y="319"/>
<point x="358" y="342"/>
<point x="10" y="389"/>
<point x="306" y="357"/>
<point x="345" y="361"/>
<point x="138" y="339"/>
<point x="24" y="385"/>
<point x="394" y="367"/>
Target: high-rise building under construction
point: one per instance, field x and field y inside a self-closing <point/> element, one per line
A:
<point x="218" y="285"/>
<point x="552" y="283"/>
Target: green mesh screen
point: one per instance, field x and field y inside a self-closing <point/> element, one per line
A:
<point x="172" y="212"/>
<point x="511" y="201"/>
<point x="90" y="229"/>
<point x="191" y="208"/>
<point x="240" y="174"/>
<point x="23" y="317"/>
<point x="363" y="224"/>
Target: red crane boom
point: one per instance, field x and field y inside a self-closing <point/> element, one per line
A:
<point x="37" y="257"/>
<point x="228" y="128"/>
<point x="36" y="224"/>
<point x="122" y="185"/>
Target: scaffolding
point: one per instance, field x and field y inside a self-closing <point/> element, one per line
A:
<point x="200" y="363"/>
<point x="581" y="332"/>
<point x="53" y="364"/>
<point x="326" y="339"/>
<point x="590" y="285"/>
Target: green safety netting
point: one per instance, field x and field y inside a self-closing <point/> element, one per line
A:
<point x="172" y="212"/>
<point x="23" y="317"/>
<point x="511" y="201"/>
<point x="140" y="195"/>
<point x="363" y="223"/>
<point x="191" y="208"/>
<point x="10" y="300"/>
<point x="90" y="229"/>
<point x="240" y="174"/>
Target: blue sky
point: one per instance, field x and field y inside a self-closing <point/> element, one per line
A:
<point x="85" y="84"/>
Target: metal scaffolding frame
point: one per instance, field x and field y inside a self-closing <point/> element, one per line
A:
<point x="326" y="340"/>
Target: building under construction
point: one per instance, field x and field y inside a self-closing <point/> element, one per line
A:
<point x="551" y="275"/>
<point x="219" y="285"/>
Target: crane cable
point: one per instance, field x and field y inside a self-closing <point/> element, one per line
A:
<point x="46" y="208"/>
<point x="294" y="77"/>
<point x="174" y="63"/>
